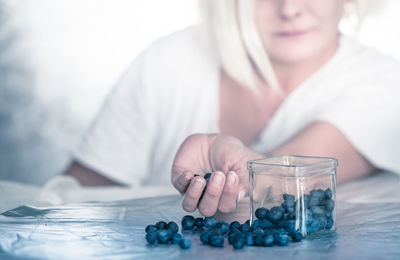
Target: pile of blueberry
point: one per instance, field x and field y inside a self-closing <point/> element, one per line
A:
<point x="163" y="233"/>
<point x="275" y="226"/>
<point x="214" y="232"/>
<point x="318" y="210"/>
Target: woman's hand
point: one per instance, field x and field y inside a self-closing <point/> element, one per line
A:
<point x="223" y="156"/>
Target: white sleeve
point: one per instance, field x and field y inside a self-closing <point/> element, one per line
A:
<point x="368" y="115"/>
<point x="118" y="143"/>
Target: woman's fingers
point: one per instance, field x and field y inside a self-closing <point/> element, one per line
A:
<point x="209" y="203"/>
<point x="229" y="196"/>
<point x="193" y="194"/>
<point x="181" y="181"/>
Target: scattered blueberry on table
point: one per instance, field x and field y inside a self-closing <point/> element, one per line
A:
<point x="274" y="226"/>
<point x="185" y="243"/>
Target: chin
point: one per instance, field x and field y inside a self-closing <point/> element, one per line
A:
<point x="294" y="56"/>
<point x="296" y="51"/>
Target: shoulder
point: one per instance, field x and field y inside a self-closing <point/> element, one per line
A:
<point x="358" y="71"/>
<point x="367" y="62"/>
<point x="187" y="45"/>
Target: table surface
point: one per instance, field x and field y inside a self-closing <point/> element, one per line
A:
<point x="368" y="228"/>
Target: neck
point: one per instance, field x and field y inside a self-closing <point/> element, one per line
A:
<point x="292" y="74"/>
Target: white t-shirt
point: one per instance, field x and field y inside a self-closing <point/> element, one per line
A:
<point x="171" y="91"/>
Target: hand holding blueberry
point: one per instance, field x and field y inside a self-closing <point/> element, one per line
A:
<point x="225" y="157"/>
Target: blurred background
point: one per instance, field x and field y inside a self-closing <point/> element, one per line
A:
<point x="59" y="59"/>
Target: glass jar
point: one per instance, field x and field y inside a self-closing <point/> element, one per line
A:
<point x="296" y="193"/>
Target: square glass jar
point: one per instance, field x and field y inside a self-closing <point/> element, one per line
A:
<point x="296" y="193"/>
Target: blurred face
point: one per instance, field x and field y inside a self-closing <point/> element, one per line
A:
<point x="297" y="30"/>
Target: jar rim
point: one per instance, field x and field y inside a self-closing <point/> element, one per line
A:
<point x="303" y="165"/>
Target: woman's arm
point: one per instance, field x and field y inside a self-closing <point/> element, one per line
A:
<point x="324" y="139"/>
<point x="88" y="177"/>
<point x="219" y="153"/>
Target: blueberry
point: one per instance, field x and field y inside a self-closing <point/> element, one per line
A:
<point x="163" y="236"/>
<point x="290" y="226"/>
<point x="176" y="238"/>
<point x="314" y="201"/>
<point x="319" y="194"/>
<point x="328" y="193"/>
<point x="245" y="228"/>
<point x="234" y="231"/>
<point x="198" y="222"/>
<point x="287" y="225"/>
<point x="247" y="222"/>
<point x="210" y="222"/>
<point x="288" y="196"/>
<point x="258" y="239"/>
<point x="281" y="224"/>
<point x="329" y="205"/>
<point x="205" y="236"/>
<point x="258" y="231"/>
<point x="215" y="230"/>
<point x="281" y="239"/>
<point x="317" y="211"/>
<point x="266" y="224"/>
<point x="318" y="223"/>
<point x="234" y="224"/>
<point x="285" y="216"/>
<point x="329" y="223"/>
<point x="238" y="243"/>
<point x="151" y="237"/>
<point x="223" y="226"/>
<point x="216" y="240"/>
<point x="275" y="214"/>
<point x="198" y="229"/>
<point x="288" y="205"/>
<point x="185" y="243"/>
<point x="297" y="237"/>
<point x="187" y="222"/>
<point x="256" y="224"/>
<point x="207" y="177"/>
<point x="261" y="213"/>
<point x="280" y="231"/>
<point x="232" y="234"/>
<point x="268" y="240"/>
<point x="249" y="239"/>
<point x="161" y="225"/>
<point x="151" y="228"/>
<point x="291" y="215"/>
<point x="173" y="227"/>
<point x="309" y="216"/>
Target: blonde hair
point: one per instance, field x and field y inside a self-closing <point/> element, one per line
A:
<point x="231" y="25"/>
<point x="240" y="52"/>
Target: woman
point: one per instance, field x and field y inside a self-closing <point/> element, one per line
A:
<point x="271" y="76"/>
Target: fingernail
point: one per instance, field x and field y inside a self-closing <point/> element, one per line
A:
<point x="198" y="184"/>
<point x="241" y="195"/>
<point x="232" y="177"/>
<point x="186" y="177"/>
<point x="218" y="178"/>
